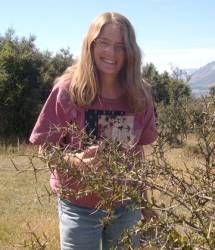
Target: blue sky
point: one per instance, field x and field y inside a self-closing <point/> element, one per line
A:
<point x="170" y="32"/>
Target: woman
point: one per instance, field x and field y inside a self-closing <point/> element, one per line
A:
<point x="104" y="84"/>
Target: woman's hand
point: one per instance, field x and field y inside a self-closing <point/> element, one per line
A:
<point x="88" y="157"/>
<point x="149" y="214"/>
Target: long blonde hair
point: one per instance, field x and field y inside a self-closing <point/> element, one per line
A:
<point x="84" y="76"/>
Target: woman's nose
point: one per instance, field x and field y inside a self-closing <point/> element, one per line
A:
<point x="111" y="49"/>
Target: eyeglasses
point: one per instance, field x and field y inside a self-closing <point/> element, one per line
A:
<point x="104" y="44"/>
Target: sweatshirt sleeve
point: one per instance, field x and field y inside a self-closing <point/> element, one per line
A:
<point x="55" y="115"/>
<point x="149" y="131"/>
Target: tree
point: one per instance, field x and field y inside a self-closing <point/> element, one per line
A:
<point x="26" y="77"/>
<point x="54" y="66"/>
<point x="166" y="87"/>
<point x="212" y="90"/>
<point x="19" y="93"/>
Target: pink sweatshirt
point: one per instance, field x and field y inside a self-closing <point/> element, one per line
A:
<point x="109" y="118"/>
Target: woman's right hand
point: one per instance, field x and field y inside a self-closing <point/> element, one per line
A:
<point x="88" y="157"/>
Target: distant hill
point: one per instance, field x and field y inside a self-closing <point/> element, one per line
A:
<point x="202" y="79"/>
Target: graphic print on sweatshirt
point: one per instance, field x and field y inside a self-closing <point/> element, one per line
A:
<point x="114" y="125"/>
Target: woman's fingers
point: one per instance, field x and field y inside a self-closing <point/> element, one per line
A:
<point x="90" y="151"/>
<point x="87" y="156"/>
<point x="91" y="161"/>
<point x="149" y="214"/>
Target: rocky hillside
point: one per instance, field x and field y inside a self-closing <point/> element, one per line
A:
<point x="203" y="78"/>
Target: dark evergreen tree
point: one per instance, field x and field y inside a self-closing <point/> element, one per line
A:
<point x="26" y="77"/>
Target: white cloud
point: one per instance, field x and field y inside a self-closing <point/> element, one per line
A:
<point x="164" y="59"/>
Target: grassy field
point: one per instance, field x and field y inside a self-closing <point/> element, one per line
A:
<point x="28" y="216"/>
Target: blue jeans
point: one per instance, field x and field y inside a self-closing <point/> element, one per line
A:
<point x="81" y="228"/>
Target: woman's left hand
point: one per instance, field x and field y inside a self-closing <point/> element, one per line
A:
<point x="149" y="214"/>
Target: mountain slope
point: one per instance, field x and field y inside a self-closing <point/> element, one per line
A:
<point x="203" y="78"/>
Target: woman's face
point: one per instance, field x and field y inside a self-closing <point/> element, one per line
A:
<point x="109" y="51"/>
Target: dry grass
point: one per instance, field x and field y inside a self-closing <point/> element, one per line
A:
<point x="22" y="213"/>
<point x="20" y="207"/>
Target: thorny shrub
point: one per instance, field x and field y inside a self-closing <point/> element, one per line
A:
<point x="183" y="199"/>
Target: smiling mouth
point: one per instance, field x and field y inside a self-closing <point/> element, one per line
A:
<point x="109" y="61"/>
